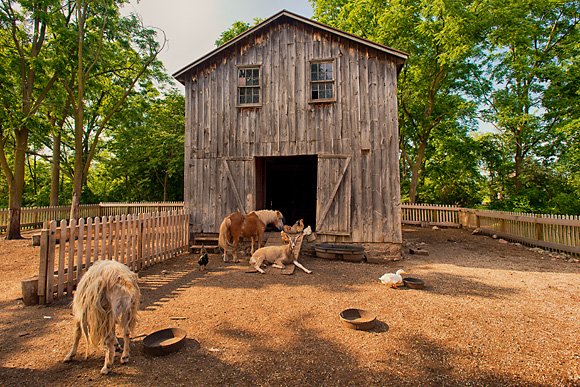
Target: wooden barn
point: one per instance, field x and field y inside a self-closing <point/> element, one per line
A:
<point x="300" y="117"/>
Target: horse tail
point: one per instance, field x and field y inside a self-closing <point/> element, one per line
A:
<point x="224" y="238"/>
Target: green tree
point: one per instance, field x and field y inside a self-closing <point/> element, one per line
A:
<point x="112" y="54"/>
<point x="527" y="41"/>
<point x="436" y="83"/>
<point x="145" y="154"/>
<point x="237" y="28"/>
<point x="28" y="73"/>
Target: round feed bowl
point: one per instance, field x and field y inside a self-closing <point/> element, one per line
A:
<point x="164" y="341"/>
<point x="414" y="283"/>
<point x="357" y="319"/>
<point x="352" y="253"/>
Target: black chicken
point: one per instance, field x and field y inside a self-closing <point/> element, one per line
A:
<point x="203" y="259"/>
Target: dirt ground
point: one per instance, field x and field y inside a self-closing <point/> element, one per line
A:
<point x="491" y="314"/>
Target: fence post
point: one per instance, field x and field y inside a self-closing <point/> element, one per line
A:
<point x="140" y="241"/>
<point x="49" y="294"/>
<point x="539" y="230"/>
<point x="463" y="222"/>
<point x="42" y="266"/>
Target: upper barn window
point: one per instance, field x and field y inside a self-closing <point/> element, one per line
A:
<point x="322" y="81"/>
<point x="249" y="86"/>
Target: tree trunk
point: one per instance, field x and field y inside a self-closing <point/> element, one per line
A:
<point x="79" y="113"/>
<point x="518" y="161"/>
<point x="79" y="165"/>
<point x="17" y="184"/>
<point x="165" y="187"/>
<point x="416" y="169"/>
<point x="55" y="170"/>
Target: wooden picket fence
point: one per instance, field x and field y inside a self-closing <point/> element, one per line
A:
<point x="553" y="232"/>
<point x="35" y="217"/>
<point x="434" y="215"/>
<point x="139" y="240"/>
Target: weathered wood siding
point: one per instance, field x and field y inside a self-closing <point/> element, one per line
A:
<point x="360" y="126"/>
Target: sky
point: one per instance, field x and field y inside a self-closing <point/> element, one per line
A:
<point x="192" y="26"/>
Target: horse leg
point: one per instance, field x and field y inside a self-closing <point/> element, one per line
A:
<point x="109" y="353"/>
<point x="235" y="249"/>
<point x="76" y="338"/>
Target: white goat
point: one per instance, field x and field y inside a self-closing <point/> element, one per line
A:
<point x="107" y="294"/>
<point x="278" y="256"/>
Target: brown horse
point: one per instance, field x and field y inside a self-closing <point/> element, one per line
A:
<point x="237" y="225"/>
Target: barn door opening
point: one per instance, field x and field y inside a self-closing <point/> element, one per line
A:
<point x="334" y="195"/>
<point x="288" y="184"/>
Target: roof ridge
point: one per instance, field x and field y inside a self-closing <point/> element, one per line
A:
<point x="400" y="54"/>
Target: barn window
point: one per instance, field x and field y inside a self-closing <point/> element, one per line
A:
<point x="322" y="81"/>
<point x="249" y="86"/>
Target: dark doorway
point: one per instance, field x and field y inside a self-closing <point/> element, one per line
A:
<point x="288" y="184"/>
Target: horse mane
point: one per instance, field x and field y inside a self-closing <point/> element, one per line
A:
<point x="268" y="216"/>
<point x="102" y="287"/>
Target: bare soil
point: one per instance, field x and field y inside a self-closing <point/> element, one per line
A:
<point x="491" y="314"/>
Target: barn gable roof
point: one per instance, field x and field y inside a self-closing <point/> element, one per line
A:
<point x="400" y="56"/>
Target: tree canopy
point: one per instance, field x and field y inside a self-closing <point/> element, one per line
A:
<point x="513" y="65"/>
<point x="87" y="110"/>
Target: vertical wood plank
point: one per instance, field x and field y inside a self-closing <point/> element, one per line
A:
<point x="97" y="238"/>
<point x="50" y="263"/>
<point x="61" y="258"/>
<point x="79" y="244"/>
<point x="44" y="236"/>
<point x="122" y="256"/>
<point x="89" y="241"/>
<point x="105" y="231"/>
<point x="71" y="256"/>
<point x="116" y="242"/>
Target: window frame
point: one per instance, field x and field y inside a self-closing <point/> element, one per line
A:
<point x="332" y="82"/>
<point x="258" y="86"/>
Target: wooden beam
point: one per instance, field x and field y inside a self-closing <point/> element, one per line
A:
<point x="233" y="182"/>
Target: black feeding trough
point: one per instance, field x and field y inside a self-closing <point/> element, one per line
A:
<point x="164" y="341"/>
<point x="351" y="253"/>
<point x="414" y="283"/>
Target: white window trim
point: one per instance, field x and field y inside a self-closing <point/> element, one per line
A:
<point x="310" y="81"/>
<point x="259" y="86"/>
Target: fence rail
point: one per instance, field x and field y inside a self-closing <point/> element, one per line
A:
<point x="554" y="232"/>
<point x="138" y="240"/>
<point x="34" y="217"/>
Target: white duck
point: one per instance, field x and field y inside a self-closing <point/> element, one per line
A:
<point x="393" y="279"/>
